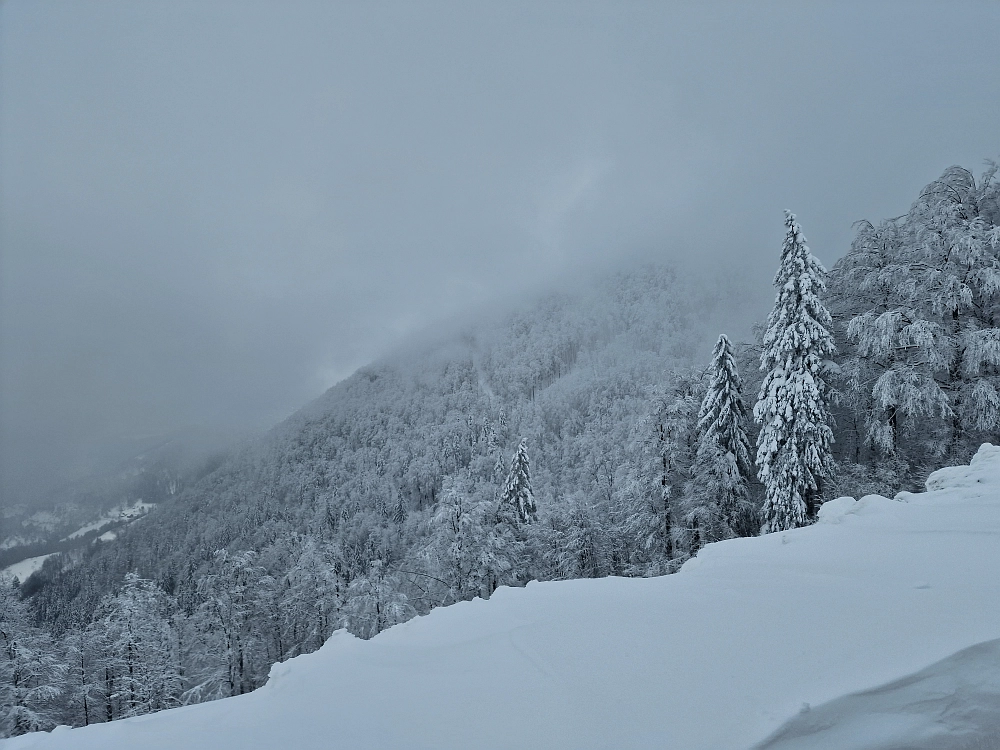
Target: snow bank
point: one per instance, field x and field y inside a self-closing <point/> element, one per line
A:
<point x="952" y="705"/>
<point x="981" y="470"/>
<point x="719" y="656"/>
<point x="836" y="511"/>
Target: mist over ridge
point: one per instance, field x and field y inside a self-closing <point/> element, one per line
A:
<point x="317" y="318"/>
<point x="212" y="213"/>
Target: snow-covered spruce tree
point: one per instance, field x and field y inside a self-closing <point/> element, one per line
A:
<point x="793" y="447"/>
<point x="722" y="465"/>
<point x="865" y="281"/>
<point x="517" y="497"/>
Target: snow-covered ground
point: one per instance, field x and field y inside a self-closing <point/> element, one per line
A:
<point x="756" y="638"/>
<point x="126" y="513"/>
<point x="115" y="517"/>
<point x="951" y="705"/>
<point x="23" y="569"/>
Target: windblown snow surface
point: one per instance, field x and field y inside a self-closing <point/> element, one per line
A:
<point x="875" y="628"/>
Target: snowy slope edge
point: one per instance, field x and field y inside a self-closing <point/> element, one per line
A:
<point x="750" y="633"/>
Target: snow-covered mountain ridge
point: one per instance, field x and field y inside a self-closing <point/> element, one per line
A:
<point x="750" y="634"/>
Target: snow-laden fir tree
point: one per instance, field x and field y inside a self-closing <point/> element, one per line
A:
<point x="458" y="542"/>
<point x="722" y="466"/>
<point x="579" y="552"/>
<point x="793" y="447"/>
<point x="517" y="497"/>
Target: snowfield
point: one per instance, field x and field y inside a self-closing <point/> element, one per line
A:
<point x="124" y="513"/>
<point x="754" y="639"/>
<point x="23" y="570"/>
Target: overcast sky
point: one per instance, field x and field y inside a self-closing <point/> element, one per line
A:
<point x="213" y="211"/>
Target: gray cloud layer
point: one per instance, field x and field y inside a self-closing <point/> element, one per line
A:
<point x="213" y="211"/>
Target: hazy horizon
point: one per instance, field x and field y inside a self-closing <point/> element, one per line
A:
<point x="211" y="213"/>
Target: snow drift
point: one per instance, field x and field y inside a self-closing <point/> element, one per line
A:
<point x="951" y="705"/>
<point x="748" y="637"/>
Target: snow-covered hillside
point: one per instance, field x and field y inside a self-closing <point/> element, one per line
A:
<point x="138" y="475"/>
<point x="23" y="570"/>
<point x="751" y="634"/>
<point x="116" y="518"/>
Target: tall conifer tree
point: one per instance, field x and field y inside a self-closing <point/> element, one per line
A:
<point x="722" y="465"/>
<point x="517" y="496"/>
<point x="793" y="448"/>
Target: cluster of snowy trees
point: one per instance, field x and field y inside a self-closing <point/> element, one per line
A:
<point x="125" y="663"/>
<point x="580" y="438"/>
<point x="916" y="301"/>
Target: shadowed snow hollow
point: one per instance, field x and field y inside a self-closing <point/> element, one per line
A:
<point x="951" y="705"/>
<point x="747" y="636"/>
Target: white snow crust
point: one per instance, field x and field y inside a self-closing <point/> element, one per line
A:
<point x="754" y="639"/>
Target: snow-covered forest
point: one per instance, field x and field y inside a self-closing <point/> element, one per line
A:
<point x="611" y="431"/>
<point x="873" y="629"/>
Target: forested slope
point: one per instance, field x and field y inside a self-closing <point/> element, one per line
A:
<point x="379" y="500"/>
<point x="576" y="437"/>
<point x="750" y="634"/>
